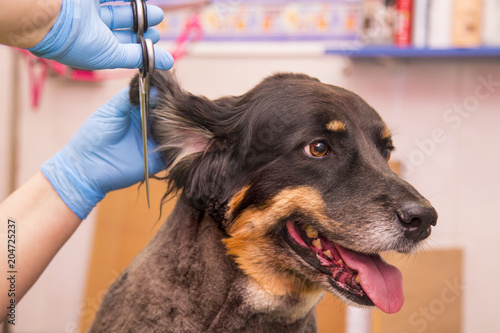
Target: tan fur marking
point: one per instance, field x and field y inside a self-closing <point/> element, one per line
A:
<point x="235" y="201"/>
<point x="386" y="133"/>
<point x="253" y="248"/>
<point x="336" y="126"/>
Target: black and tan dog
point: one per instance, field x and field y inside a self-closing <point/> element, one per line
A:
<point x="284" y="193"/>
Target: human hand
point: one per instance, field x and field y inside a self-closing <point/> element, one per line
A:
<point x="104" y="155"/>
<point x="89" y="36"/>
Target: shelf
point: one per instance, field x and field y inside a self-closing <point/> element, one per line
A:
<point x="412" y="52"/>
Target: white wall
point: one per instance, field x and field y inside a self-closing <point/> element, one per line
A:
<point x="459" y="174"/>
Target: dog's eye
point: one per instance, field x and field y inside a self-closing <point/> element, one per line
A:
<point x="316" y="149"/>
<point x="387" y="154"/>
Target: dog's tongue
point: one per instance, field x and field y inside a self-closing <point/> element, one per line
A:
<point x="382" y="282"/>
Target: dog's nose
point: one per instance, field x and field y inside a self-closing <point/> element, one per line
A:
<point x="417" y="220"/>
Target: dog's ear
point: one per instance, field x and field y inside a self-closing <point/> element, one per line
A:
<point x="191" y="132"/>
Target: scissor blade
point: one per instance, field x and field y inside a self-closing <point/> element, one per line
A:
<point x="144" y="101"/>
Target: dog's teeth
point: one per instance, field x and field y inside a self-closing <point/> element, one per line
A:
<point x="317" y="244"/>
<point x="356" y="279"/>
<point x="340" y="262"/>
<point x="311" y="232"/>
<point x="328" y="253"/>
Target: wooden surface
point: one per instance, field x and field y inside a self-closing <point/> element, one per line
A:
<point x="433" y="295"/>
<point x="330" y="315"/>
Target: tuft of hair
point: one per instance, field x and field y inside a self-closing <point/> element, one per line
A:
<point x="191" y="132"/>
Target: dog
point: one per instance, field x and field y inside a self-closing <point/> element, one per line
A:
<point x="283" y="193"/>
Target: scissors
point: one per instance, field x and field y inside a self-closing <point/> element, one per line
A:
<point x="139" y="10"/>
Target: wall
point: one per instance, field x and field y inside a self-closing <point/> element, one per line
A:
<point x="5" y="104"/>
<point x="450" y="157"/>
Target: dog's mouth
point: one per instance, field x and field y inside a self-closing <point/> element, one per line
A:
<point x="361" y="278"/>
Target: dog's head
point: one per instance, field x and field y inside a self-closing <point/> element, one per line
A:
<point x="295" y="172"/>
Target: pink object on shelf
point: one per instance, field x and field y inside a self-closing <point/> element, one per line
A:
<point x="192" y="31"/>
<point x="38" y="69"/>
<point x="37" y="73"/>
<point x="404" y="19"/>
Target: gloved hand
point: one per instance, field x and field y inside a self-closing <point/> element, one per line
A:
<point x="104" y="155"/>
<point x="85" y="36"/>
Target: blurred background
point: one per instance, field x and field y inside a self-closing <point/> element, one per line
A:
<point x="431" y="68"/>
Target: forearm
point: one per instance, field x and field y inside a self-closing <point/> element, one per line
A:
<point x="24" y="23"/>
<point x="43" y="224"/>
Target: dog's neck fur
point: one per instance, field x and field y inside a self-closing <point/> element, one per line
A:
<point x="183" y="281"/>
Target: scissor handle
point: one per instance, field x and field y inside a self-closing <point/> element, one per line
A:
<point x="140" y="13"/>
<point x="148" y="56"/>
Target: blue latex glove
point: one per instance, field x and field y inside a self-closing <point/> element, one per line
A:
<point x="104" y="155"/>
<point x="89" y="36"/>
